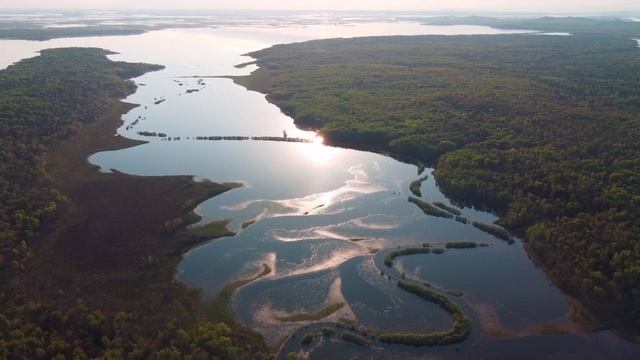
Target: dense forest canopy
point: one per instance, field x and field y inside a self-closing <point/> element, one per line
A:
<point x="542" y="129"/>
<point x="44" y="100"/>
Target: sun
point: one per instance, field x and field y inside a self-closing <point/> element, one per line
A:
<point x="318" y="140"/>
<point x="319" y="153"/>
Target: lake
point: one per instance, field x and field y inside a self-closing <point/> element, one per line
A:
<point x="322" y="218"/>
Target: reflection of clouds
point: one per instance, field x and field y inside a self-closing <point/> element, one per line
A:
<point x="269" y="306"/>
<point x="322" y="258"/>
<point x="295" y="235"/>
<point x="252" y="268"/>
<point x="377" y="222"/>
<point x="270" y="259"/>
<point x="350" y="230"/>
<point x="330" y="202"/>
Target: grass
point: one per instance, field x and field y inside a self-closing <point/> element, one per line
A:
<point x="355" y="338"/>
<point x="461" y="245"/>
<point x="313" y="316"/>
<point x="246" y="224"/>
<point x="447" y="208"/>
<point x="111" y="233"/>
<point x="388" y="259"/>
<point x="327" y="331"/>
<point x="416" y="185"/>
<point x="212" y="230"/>
<point x="308" y="338"/>
<point x="430" y="209"/>
<point x="456" y="293"/>
<point x="112" y="226"/>
<point x="220" y="306"/>
<point x="462" y="219"/>
<point x="494" y="230"/>
<point x="461" y="324"/>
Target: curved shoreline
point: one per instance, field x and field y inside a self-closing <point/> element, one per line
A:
<point x="265" y="80"/>
<point x="125" y="232"/>
<point x="376" y="338"/>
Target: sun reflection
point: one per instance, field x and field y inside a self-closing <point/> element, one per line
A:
<point x="317" y="152"/>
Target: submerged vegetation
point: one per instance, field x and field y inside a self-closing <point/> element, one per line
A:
<point x="355" y="338"/>
<point x="308" y="338"/>
<point x="323" y="313"/>
<point x="542" y="130"/>
<point x="461" y="219"/>
<point x="461" y="245"/>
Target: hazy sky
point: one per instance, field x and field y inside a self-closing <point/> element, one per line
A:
<point x="478" y="5"/>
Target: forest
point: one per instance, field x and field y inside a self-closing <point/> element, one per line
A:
<point x="542" y="130"/>
<point x="44" y="101"/>
<point x="551" y="24"/>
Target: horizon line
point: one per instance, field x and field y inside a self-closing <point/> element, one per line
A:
<point x="471" y="10"/>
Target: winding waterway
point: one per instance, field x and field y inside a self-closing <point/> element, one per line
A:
<point x="317" y="215"/>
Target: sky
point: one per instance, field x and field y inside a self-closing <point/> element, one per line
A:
<point x="551" y="6"/>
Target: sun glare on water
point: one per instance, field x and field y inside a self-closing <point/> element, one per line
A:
<point x="317" y="152"/>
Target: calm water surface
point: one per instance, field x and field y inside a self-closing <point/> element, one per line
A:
<point x="310" y="202"/>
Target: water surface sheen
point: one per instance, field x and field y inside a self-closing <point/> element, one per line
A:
<point x="318" y="213"/>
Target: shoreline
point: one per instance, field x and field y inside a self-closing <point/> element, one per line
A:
<point x="587" y="315"/>
<point x="110" y="229"/>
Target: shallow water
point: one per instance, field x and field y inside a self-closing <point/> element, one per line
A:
<point x="319" y="212"/>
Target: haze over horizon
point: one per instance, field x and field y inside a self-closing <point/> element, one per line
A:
<point x="549" y="6"/>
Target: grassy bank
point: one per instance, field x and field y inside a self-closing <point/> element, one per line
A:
<point x="430" y="209"/>
<point x="220" y="306"/>
<point x="388" y="259"/>
<point x="461" y="324"/>
<point x="415" y="186"/>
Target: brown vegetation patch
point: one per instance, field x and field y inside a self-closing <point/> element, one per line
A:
<point x="110" y="242"/>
